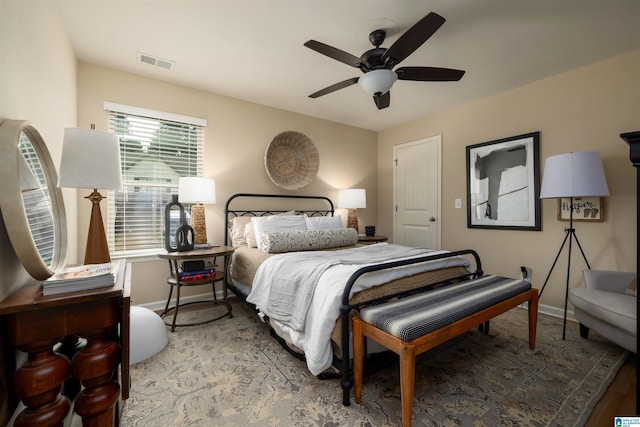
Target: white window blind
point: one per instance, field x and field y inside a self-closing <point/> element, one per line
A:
<point x="155" y="151"/>
<point x="37" y="202"/>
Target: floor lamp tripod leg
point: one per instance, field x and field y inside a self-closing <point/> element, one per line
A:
<point x="575" y="236"/>
<point x="554" y="264"/>
<point x="571" y="234"/>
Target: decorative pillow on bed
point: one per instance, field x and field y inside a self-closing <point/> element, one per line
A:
<point x="249" y="236"/>
<point x="264" y="224"/>
<point x="323" y="222"/>
<point x="306" y="240"/>
<point x="237" y="228"/>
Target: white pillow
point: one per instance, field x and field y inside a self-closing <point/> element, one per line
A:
<point x="323" y="222"/>
<point x="249" y="237"/>
<point x="238" y="229"/>
<point x="277" y="223"/>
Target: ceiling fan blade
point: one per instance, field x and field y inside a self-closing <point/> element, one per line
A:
<point x="429" y="74"/>
<point x="334" y="87"/>
<point x="382" y="101"/>
<point x="412" y="39"/>
<point x="334" y="53"/>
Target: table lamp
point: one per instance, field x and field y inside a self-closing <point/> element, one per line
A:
<point x="567" y="176"/>
<point x="198" y="190"/>
<point x="91" y="159"/>
<point x="352" y="199"/>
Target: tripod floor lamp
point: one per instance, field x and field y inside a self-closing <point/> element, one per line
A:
<point x="572" y="175"/>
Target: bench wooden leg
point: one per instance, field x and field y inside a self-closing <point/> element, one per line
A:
<point x="407" y="378"/>
<point x="533" y="318"/>
<point x="358" y="357"/>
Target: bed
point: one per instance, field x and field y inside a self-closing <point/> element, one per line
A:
<point x="307" y="283"/>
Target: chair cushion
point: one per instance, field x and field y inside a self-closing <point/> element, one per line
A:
<point x="416" y="315"/>
<point x="615" y="309"/>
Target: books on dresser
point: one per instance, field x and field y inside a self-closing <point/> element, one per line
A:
<point x="90" y="276"/>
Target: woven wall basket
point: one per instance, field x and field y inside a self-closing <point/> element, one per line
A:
<point x="291" y="160"/>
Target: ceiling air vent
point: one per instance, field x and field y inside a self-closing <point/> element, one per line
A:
<point x="145" y="58"/>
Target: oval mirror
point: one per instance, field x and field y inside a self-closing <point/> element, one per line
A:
<point x="30" y="201"/>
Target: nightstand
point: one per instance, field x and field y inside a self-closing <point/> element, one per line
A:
<point x="367" y="240"/>
<point x="174" y="280"/>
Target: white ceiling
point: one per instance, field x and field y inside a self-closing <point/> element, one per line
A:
<point x="253" y="49"/>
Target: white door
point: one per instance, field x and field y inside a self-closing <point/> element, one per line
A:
<point x="417" y="193"/>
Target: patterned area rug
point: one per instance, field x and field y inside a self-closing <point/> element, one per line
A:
<point x="232" y="373"/>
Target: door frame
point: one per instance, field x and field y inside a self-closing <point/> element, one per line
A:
<point x="437" y="140"/>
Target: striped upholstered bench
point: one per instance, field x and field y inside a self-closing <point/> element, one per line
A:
<point x="414" y="324"/>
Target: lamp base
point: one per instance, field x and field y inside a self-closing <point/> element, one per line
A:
<point x="352" y="219"/>
<point x="199" y="224"/>
<point x="97" y="251"/>
<point x="570" y="236"/>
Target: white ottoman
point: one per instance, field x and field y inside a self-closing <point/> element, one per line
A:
<point x="148" y="334"/>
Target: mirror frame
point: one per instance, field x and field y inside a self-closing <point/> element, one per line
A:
<point x="12" y="204"/>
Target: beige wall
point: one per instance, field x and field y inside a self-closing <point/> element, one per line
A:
<point x="236" y="138"/>
<point x="582" y="110"/>
<point x="37" y="83"/>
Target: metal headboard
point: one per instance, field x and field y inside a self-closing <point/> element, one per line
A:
<point x="325" y="207"/>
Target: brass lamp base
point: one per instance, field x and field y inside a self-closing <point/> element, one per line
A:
<point x="97" y="251"/>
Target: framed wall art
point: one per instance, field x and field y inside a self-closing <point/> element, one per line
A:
<point x="503" y="183"/>
<point x="584" y="209"/>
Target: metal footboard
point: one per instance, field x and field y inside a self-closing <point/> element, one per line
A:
<point x="346" y="375"/>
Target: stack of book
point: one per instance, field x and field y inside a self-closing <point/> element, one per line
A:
<point x="80" y="278"/>
<point x="207" y="273"/>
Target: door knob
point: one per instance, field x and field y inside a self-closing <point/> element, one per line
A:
<point x="432" y="219"/>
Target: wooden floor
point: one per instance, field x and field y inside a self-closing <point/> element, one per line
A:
<point x="619" y="399"/>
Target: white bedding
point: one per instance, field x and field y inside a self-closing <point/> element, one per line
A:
<point x="314" y="337"/>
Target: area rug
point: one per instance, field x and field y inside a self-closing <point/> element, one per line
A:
<point x="232" y="373"/>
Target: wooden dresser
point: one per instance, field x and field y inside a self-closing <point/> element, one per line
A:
<point x="35" y="324"/>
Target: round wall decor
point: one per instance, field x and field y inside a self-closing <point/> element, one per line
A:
<point x="291" y="160"/>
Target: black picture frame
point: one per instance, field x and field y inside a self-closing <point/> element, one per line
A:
<point x="503" y="183"/>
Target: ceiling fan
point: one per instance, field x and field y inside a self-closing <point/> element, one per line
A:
<point x="377" y="63"/>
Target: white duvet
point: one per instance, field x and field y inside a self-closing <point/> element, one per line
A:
<point x="312" y="333"/>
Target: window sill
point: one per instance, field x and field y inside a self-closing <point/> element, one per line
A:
<point x="144" y="255"/>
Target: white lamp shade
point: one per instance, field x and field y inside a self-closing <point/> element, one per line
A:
<point x="574" y="175"/>
<point x="196" y="189"/>
<point x="377" y="81"/>
<point x="352" y="198"/>
<point x="90" y="159"/>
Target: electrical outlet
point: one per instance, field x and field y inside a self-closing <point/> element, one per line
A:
<point x="458" y="203"/>
<point x="525" y="273"/>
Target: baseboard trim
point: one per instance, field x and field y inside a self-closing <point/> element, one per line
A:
<point x="552" y="311"/>
<point x="158" y="306"/>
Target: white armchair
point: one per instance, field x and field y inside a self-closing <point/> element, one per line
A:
<point x="605" y="306"/>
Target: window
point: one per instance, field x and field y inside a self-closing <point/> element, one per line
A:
<point x="156" y="149"/>
<point x="35" y="196"/>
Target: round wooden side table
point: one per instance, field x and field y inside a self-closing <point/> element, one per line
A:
<point x="175" y="281"/>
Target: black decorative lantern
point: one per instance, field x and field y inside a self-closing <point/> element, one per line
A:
<point x="174" y="217"/>
<point x="185" y="238"/>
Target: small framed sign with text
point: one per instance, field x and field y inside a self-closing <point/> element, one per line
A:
<point x="584" y="209"/>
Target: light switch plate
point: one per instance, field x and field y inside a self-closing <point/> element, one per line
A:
<point x="458" y="203"/>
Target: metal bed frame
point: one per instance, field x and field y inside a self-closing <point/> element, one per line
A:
<point x="345" y="375"/>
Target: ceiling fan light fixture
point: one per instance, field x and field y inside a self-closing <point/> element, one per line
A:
<point x="377" y="81"/>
